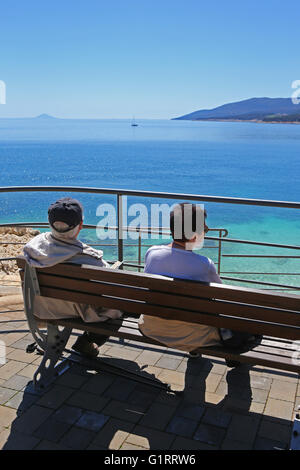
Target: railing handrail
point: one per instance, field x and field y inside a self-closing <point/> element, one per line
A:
<point x="119" y="193"/>
<point x="159" y="231"/>
<point x="155" y="194"/>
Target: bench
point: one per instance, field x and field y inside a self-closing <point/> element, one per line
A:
<point x="276" y="316"/>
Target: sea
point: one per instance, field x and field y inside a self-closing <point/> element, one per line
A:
<point x="229" y="159"/>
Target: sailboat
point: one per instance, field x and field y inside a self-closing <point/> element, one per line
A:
<point x="134" y="124"/>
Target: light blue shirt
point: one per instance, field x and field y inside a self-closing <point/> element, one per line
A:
<point x="179" y="263"/>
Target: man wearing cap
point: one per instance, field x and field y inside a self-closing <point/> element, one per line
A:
<point x="61" y="246"/>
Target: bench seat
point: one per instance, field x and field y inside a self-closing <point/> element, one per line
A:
<point x="276" y="316"/>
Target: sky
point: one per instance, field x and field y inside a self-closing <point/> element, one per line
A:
<point x="155" y="59"/>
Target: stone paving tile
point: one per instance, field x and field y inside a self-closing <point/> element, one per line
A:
<point x="182" y="426"/>
<point x="21" y="401"/>
<point x="56" y="396"/>
<point x="150" y="438"/>
<point x="142" y="398"/>
<point x="169" y="399"/>
<point x="92" y="421"/>
<point x="190" y="411"/>
<point x="212" y="382"/>
<point x="7" y="416"/>
<point x="22" y="356"/>
<point x="257" y="395"/>
<point x="6" y="394"/>
<point x="198" y="396"/>
<point x="229" y="444"/>
<point x="297" y="404"/>
<point x="172" y="377"/>
<point x="88" y="401"/>
<point x="271" y="430"/>
<point x="16" y="382"/>
<point x="47" y="445"/>
<point x="68" y="414"/>
<point x="152" y="370"/>
<point x="4" y="436"/>
<point x="181" y="443"/>
<point x="68" y="379"/>
<point x="11" y="368"/>
<point x="167" y="362"/>
<point x="31" y="419"/>
<point x="126" y="446"/>
<point x="120" y="389"/>
<point x="118" y="352"/>
<point x="281" y="390"/>
<point x="194" y="367"/>
<point x="217" y="417"/>
<point x="279" y="409"/>
<point x="211" y="435"/>
<point x="38" y="359"/>
<point x="13" y="339"/>
<point x="17" y="441"/>
<point x="218" y="368"/>
<point x="98" y="383"/>
<point x="113" y="434"/>
<point x="259" y="382"/>
<point x="92" y="447"/>
<point x="136" y="440"/>
<point x="243" y="428"/>
<point x="261" y="443"/>
<point x="238" y="406"/>
<point x="123" y="411"/>
<point x="51" y="430"/>
<point x="28" y="371"/>
<point x="157" y="416"/>
<point x="77" y="438"/>
<point x="148" y="357"/>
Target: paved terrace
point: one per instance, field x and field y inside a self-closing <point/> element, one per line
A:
<point x="221" y="408"/>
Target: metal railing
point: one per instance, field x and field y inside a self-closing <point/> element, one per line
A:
<point x="223" y="233"/>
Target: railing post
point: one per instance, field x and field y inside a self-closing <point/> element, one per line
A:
<point x="120" y="227"/>
<point x="219" y="252"/>
<point x="140" y="250"/>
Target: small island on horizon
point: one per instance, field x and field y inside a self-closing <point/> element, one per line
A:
<point x="44" y="116"/>
<point x="265" y="110"/>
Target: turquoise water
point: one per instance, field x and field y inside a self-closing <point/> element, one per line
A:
<point x="211" y="158"/>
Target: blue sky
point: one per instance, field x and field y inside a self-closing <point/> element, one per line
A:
<point x="144" y="58"/>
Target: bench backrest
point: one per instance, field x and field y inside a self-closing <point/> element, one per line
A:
<point x="218" y="305"/>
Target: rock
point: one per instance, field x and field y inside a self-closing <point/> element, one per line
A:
<point x="12" y="240"/>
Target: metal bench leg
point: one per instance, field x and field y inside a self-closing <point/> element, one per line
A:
<point x="48" y="369"/>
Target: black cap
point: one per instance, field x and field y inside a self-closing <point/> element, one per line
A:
<point x="66" y="210"/>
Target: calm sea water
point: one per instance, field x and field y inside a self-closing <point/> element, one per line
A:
<point x="248" y="160"/>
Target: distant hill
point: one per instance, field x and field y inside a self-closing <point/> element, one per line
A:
<point x="246" y="110"/>
<point x="45" y="116"/>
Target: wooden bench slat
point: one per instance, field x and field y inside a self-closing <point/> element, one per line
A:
<point x="172" y="300"/>
<point x="105" y="328"/>
<point x="255" y="355"/>
<point x="219" y="321"/>
<point x="176" y="286"/>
